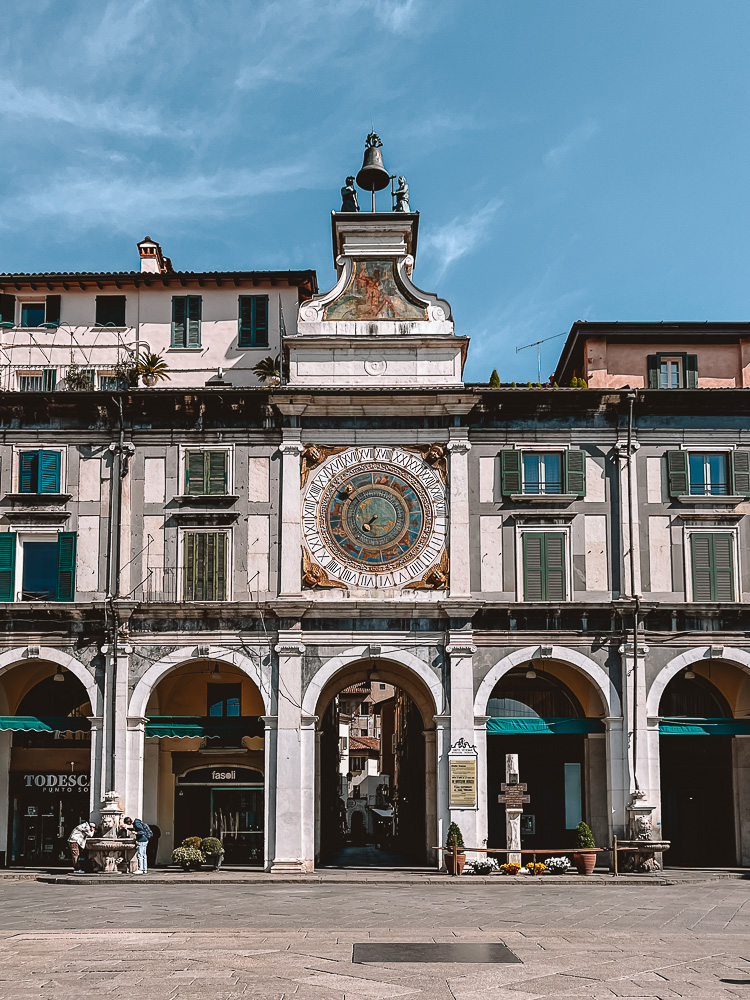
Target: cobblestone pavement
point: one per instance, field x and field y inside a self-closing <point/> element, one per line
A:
<point x="280" y="942"/>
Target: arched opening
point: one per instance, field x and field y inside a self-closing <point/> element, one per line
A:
<point x="45" y="751"/>
<point x="204" y="763"/>
<point x="705" y="763"/>
<point x="375" y="768"/>
<point x="551" y="716"/>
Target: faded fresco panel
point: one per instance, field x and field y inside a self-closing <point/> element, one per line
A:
<point x="372" y="293"/>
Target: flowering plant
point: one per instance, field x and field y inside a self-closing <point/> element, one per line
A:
<point x="536" y="868"/>
<point x="188" y="857"/>
<point x="510" y="868"/>
<point x="481" y="866"/>
<point x="557" y="866"/>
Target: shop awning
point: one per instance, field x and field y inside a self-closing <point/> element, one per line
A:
<point x="386" y="813"/>
<point x="206" y="727"/>
<point x="503" y="727"/>
<point x="704" y="727"/>
<point x="43" y="724"/>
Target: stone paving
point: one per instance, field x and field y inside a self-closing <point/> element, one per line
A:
<point x="277" y="942"/>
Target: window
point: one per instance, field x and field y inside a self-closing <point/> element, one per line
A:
<point x="542" y="473"/>
<point x="44" y="312"/>
<point x="205" y="571"/>
<point x="713" y="566"/>
<point x="708" y="473"/>
<point x="357" y="763"/>
<point x="8" y="310"/>
<point x="364" y="708"/>
<point x="363" y="732"/>
<point x="536" y="473"/>
<point x="186" y="321"/>
<point x="543" y="566"/>
<point x="47" y="567"/>
<point x="44" y="381"/>
<point x="39" y="472"/>
<point x="110" y="310"/>
<point x="253" y="328"/>
<point x="112" y="383"/>
<point x="223" y="700"/>
<point x="206" y="473"/>
<point x="672" y="371"/>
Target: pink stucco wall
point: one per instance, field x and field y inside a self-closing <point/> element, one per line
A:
<point x="613" y="365"/>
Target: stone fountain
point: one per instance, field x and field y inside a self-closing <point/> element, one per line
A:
<point x="641" y="849"/>
<point x="111" y="853"/>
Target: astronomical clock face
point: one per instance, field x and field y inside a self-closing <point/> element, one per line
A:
<point x="375" y="517"/>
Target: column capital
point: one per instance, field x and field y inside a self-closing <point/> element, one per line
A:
<point x="460" y="649"/>
<point x="122" y="649"/>
<point x="459" y="447"/>
<point x="136" y="722"/>
<point x="269" y="721"/>
<point x="627" y="649"/>
<point x="287" y="647"/>
<point x="291" y="448"/>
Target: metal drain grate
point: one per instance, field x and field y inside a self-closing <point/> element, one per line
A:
<point x="490" y="953"/>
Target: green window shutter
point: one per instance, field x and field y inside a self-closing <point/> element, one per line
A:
<point x="652" y="369"/>
<point x="740" y="469"/>
<point x="723" y="584"/>
<point x="190" y="565"/>
<point x="49" y="471"/>
<point x="66" y="566"/>
<point x="195" y="473"/>
<point x="7" y="308"/>
<point x="7" y="565"/>
<point x="575" y="472"/>
<point x="533" y="567"/>
<point x="691" y="371"/>
<point x="217" y="473"/>
<point x="28" y="472"/>
<point x="245" y="333"/>
<point x="253" y="330"/>
<point x="543" y="566"/>
<point x="555" y="567"/>
<point x="194" y="303"/>
<point x="702" y="569"/>
<point x="510" y="468"/>
<point x="178" y="321"/>
<point x="52" y="312"/>
<point x="677" y="469"/>
<point x="260" y="333"/>
<point x="205" y="566"/>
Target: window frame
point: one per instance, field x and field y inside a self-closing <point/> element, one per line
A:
<point x="109" y="324"/>
<point x="40" y="534"/>
<point x="561" y="449"/>
<point x="541" y="469"/>
<point x="733" y="532"/>
<point x="44" y="373"/>
<point x="708" y="490"/>
<point x="16" y="470"/>
<point x="249" y="340"/>
<point x="546" y="529"/>
<point x="181" y="562"/>
<point x="38" y="300"/>
<point x="186" y="345"/>
<point x="228" y="449"/>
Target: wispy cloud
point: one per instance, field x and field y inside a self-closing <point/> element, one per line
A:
<point x="119" y="27"/>
<point x="460" y="237"/>
<point x="574" y="139"/>
<point x="398" y="15"/>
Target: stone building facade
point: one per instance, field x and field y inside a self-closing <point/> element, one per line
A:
<point x="190" y="572"/>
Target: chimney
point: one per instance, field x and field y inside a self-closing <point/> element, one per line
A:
<point x="152" y="259"/>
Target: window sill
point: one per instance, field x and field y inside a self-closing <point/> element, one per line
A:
<point x="720" y="500"/>
<point x="543" y="497"/>
<point x="185" y="350"/>
<point x="38" y="498"/>
<point x="205" y="499"/>
<point x="204" y="518"/>
<point x="29" y="516"/>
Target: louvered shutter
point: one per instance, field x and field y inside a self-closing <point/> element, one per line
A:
<point x="49" y="471"/>
<point x="195" y="473"/>
<point x="220" y="564"/>
<point x="178" y="321"/>
<point x="28" y="472"/>
<point x="52" y="312"/>
<point x="691" y="371"/>
<point x="555" y="567"/>
<point x="723" y="582"/>
<point x="260" y="321"/>
<point x="245" y="337"/>
<point x="575" y="472"/>
<point x="740" y="465"/>
<point x="217" y="473"/>
<point x="510" y="468"/>
<point x="194" y="320"/>
<point x="677" y="469"/>
<point x="190" y="566"/>
<point x="702" y="568"/>
<point x="7" y="308"/>
<point x="7" y="565"/>
<point x="66" y="565"/>
<point x="652" y="369"/>
<point x="533" y="566"/>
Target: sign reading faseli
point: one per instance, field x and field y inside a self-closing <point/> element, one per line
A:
<point x="57" y="782"/>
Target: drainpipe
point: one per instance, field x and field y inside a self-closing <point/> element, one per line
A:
<point x="631" y="397"/>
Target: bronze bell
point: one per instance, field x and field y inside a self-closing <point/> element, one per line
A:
<point x="373" y="176"/>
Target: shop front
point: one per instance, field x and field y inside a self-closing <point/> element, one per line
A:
<point x="224" y="801"/>
<point x="44" y="808"/>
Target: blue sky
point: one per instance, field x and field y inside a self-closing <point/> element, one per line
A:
<point x="569" y="159"/>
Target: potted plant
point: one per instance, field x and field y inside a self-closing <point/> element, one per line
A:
<point x="213" y="851"/>
<point x="455" y="857"/>
<point x="584" y="862"/>
<point x="151" y="368"/>
<point x="268" y="370"/>
<point x="536" y="868"/>
<point x="79" y="379"/>
<point x="187" y="858"/>
<point x="510" y="868"/>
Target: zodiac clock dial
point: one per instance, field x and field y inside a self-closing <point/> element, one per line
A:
<point x="375" y="517"/>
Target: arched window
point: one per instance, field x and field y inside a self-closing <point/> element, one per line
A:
<point x="517" y="696"/>
<point x="58" y="700"/>
<point x="693" y="699"/>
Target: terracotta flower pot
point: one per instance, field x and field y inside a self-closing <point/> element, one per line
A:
<point x="460" y="861"/>
<point x="584" y="862"/>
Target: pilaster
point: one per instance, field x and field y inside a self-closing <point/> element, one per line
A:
<point x="460" y="553"/>
<point x="460" y="652"/>
<point x="269" y="809"/>
<point x="291" y="513"/>
<point x="641" y="733"/>
<point x="118" y="772"/>
<point x="288" y="850"/>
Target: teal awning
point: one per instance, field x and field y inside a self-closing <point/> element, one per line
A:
<point x="204" y="727"/>
<point x="43" y="724"/>
<point x="503" y="727"/>
<point x="704" y="727"/>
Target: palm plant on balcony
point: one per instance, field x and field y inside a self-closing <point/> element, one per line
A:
<point x="152" y="368"/>
<point x="268" y="370"/>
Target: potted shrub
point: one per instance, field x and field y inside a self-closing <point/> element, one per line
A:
<point x="536" y="868"/>
<point x="268" y="370"/>
<point x="152" y="368"/>
<point x="510" y="868"/>
<point x="213" y="851"/>
<point x="584" y="862"/>
<point x="187" y="858"/>
<point x="455" y="857"/>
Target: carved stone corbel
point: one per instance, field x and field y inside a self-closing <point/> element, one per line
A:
<point x="436" y="577"/>
<point x="314" y="576"/>
<point x="313" y="455"/>
<point x="434" y="455"/>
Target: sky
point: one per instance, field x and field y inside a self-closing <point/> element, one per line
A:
<point x="570" y="159"/>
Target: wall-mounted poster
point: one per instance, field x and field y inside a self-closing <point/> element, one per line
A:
<point x="463" y="782"/>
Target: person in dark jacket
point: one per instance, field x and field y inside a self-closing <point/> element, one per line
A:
<point x="142" y="836"/>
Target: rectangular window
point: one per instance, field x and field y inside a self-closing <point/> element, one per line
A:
<point x="110" y="310"/>
<point x="708" y="474"/>
<point x="44" y="381"/>
<point x="573" y="814"/>
<point x="41" y="313"/>
<point x="186" y="321"/>
<point x="8" y="310"/>
<point x="206" y="473"/>
<point x="357" y="763"/>
<point x="253" y="321"/>
<point x="223" y="700"/>
<point x="39" y="472"/>
<point x="713" y="566"/>
<point x="543" y="566"/>
<point x="112" y="383"/>
<point x="205" y="573"/>
<point x="48" y="567"/>
<point x="542" y="473"/>
<point x="672" y="371"/>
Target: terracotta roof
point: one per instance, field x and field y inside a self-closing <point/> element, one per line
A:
<point x="304" y="278"/>
<point x="364" y="743"/>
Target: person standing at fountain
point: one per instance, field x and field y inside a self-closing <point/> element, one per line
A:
<point x="77" y="841"/>
<point x="142" y="836"/>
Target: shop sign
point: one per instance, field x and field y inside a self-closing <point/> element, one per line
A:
<point x="55" y="783"/>
<point x="222" y="775"/>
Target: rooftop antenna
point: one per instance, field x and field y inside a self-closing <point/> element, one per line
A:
<point x="537" y="344"/>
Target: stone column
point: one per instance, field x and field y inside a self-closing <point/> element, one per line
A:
<point x="309" y="800"/>
<point x="618" y="782"/>
<point x="116" y="771"/>
<point x="269" y="799"/>
<point x="291" y="513"/>
<point x="151" y="781"/>
<point x="317" y="818"/>
<point x="642" y="753"/>
<point x="741" y="762"/>
<point x="430" y="797"/>
<point x="288" y="853"/>
<point x="480" y="742"/>
<point x="459" y="548"/>
<point x="442" y="746"/>
<point x="460" y="651"/>
<point x="131" y="791"/>
<point x="97" y="765"/>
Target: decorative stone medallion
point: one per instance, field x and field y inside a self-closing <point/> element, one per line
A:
<point x="375" y="517"/>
